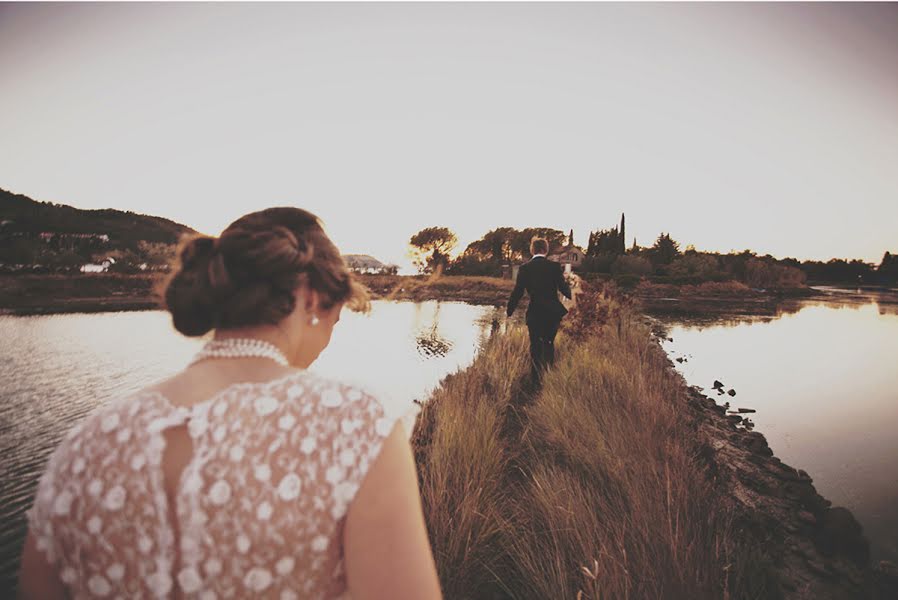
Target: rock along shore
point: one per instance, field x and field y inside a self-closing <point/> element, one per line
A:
<point x="817" y="551"/>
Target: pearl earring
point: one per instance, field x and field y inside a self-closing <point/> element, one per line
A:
<point x="314" y="320"/>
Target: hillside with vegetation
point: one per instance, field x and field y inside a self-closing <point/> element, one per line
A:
<point x="46" y="237"/>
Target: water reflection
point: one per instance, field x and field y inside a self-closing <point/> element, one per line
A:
<point x="823" y="379"/>
<point x="430" y="344"/>
<point x="55" y="369"/>
<point x="429" y="341"/>
<point x="729" y="313"/>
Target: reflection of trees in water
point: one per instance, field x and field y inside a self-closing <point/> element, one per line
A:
<point x="431" y="345"/>
<point x="726" y="314"/>
<point x="733" y="313"/>
<point x="493" y="323"/>
<point x="429" y="342"/>
<point x="887" y="309"/>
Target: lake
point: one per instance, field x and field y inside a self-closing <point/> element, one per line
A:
<point x="56" y="369"/>
<point x="823" y="375"/>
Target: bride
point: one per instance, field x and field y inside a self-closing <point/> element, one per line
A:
<point x="244" y="475"/>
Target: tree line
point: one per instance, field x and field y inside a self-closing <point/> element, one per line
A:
<point x="607" y="255"/>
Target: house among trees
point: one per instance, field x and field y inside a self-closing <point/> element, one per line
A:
<point x="362" y="263"/>
<point x="71" y="239"/>
<point x="570" y="255"/>
<point x="98" y="267"/>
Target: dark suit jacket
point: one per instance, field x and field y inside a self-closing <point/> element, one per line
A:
<point x="543" y="279"/>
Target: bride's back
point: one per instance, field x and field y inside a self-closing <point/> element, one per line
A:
<point x="236" y="477"/>
<point x="269" y="471"/>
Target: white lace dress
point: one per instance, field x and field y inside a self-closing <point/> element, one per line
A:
<point x="259" y="508"/>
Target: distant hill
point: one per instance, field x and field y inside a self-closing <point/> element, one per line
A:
<point x="362" y="261"/>
<point x="21" y="214"/>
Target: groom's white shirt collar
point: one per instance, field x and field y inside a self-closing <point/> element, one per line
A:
<point x="537" y="255"/>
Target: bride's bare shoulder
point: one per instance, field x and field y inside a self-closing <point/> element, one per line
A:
<point x="199" y="383"/>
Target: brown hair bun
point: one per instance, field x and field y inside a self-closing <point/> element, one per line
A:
<point x="250" y="274"/>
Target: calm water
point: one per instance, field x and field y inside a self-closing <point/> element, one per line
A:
<point x="55" y="369"/>
<point x="823" y="376"/>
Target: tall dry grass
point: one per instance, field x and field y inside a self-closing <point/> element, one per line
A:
<point x="463" y="458"/>
<point x="590" y="487"/>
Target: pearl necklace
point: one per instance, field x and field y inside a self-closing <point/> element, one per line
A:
<point x="241" y="348"/>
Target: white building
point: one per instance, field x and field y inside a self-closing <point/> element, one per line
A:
<point x="98" y="268"/>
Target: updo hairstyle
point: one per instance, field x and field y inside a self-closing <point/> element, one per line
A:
<point x="250" y="274"/>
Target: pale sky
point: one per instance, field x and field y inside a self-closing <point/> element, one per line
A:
<point x="765" y="126"/>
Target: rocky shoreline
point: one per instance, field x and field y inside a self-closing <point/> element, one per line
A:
<point x="816" y="550"/>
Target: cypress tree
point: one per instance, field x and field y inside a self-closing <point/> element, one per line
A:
<point x="623" y="243"/>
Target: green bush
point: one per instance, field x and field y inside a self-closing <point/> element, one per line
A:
<point x="693" y="264"/>
<point x="631" y="265"/>
<point x="598" y="264"/>
<point x="627" y="281"/>
<point x="761" y="274"/>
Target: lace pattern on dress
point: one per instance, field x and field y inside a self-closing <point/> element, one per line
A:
<point x="259" y="506"/>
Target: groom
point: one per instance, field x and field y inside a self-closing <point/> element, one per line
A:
<point x="543" y="279"/>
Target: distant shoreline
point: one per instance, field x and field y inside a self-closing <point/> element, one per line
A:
<point x="25" y="295"/>
<point x="92" y="293"/>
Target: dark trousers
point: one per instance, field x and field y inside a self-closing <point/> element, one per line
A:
<point x="542" y="346"/>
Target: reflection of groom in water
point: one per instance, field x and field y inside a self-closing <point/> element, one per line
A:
<point x="543" y="279"/>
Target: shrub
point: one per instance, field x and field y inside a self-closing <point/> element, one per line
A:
<point x="470" y="265"/>
<point x="654" y="289"/>
<point x="631" y="265"/>
<point x="693" y="264"/>
<point x="763" y="274"/>
<point x="598" y="264"/>
<point x="716" y="288"/>
<point x="627" y="281"/>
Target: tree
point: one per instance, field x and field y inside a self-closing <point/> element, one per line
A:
<point x="665" y="250"/>
<point x="497" y="243"/>
<point x="430" y="248"/>
<point x="839" y="270"/>
<point x="604" y="241"/>
<point x="608" y="241"/>
<point x="486" y="255"/>
<point x="623" y="232"/>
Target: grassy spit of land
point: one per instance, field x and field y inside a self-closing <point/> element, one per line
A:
<point x="616" y="480"/>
